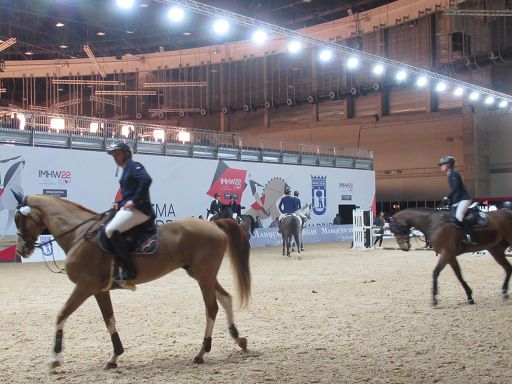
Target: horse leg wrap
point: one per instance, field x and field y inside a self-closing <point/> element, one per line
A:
<point x="58" y="341"/>
<point x="233" y="331"/>
<point x="207" y="344"/>
<point x="118" y="346"/>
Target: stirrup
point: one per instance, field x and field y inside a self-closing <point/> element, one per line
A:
<point x="124" y="276"/>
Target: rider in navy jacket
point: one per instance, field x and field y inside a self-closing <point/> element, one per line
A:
<point x="458" y="195"/>
<point x="133" y="209"/>
<point x="135" y="183"/>
<point x="458" y="190"/>
<point x="288" y="204"/>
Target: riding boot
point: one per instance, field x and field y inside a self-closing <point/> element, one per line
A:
<point x="469" y="232"/>
<point x="126" y="270"/>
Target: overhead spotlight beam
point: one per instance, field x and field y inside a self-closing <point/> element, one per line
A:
<point x="86" y="82"/>
<point x="127" y="93"/>
<point x="7" y="43"/>
<point x="176" y="84"/>
<point x="103" y="100"/>
<point x="91" y="57"/>
<point x="248" y="22"/>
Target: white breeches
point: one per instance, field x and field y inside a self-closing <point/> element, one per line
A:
<point x="124" y="220"/>
<point x="462" y="207"/>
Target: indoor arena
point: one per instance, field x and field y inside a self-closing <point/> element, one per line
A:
<point x="255" y="191"/>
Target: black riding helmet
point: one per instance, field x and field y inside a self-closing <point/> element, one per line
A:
<point x="296" y="193"/>
<point x="287" y="190"/>
<point x="119" y="145"/>
<point x="447" y="160"/>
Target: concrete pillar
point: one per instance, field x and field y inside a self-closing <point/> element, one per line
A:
<point x="266" y="90"/>
<point x="224" y="100"/>
<point x="314" y="83"/>
<point x="475" y="136"/>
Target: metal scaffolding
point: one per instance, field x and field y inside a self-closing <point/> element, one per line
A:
<point x="254" y="24"/>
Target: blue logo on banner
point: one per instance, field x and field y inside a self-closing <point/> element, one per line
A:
<point x="319" y="194"/>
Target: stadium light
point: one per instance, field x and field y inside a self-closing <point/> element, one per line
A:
<point x="325" y="55"/>
<point x="352" y="62"/>
<point x="474" y="96"/>
<point x="503" y="104"/>
<point x="57" y="124"/>
<point x="21" y="117"/>
<point x="125" y="4"/>
<point x="378" y="69"/>
<point x="184" y="136"/>
<point x="422" y="81"/>
<point x="176" y="14"/>
<point x="459" y="91"/>
<point x="294" y="46"/>
<point x="221" y="27"/>
<point x="441" y="87"/>
<point x="159" y="134"/>
<point x="259" y="37"/>
<point x="401" y="75"/>
<point x="489" y="100"/>
<point x="125" y="130"/>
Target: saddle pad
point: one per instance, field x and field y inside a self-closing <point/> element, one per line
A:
<point x="145" y="242"/>
<point x="477" y="219"/>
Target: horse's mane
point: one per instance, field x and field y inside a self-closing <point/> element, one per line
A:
<point x="80" y="206"/>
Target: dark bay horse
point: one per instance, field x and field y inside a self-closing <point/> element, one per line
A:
<point x="193" y="244"/>
<point x="447" y="242"/>
<point x="290" y="227"/>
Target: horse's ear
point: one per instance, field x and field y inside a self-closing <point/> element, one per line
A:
<point x="18" y="197"/>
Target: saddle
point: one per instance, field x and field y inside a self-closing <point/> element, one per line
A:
<point x="141" y="239"/>
<point x="474" y="216"/>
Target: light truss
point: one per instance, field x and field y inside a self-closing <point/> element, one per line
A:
<point x="174" y="110"/>
<point x="176" y="84"/>
<point x="479" y="12"/>
<point x="86" y="82"/>
<point x="126" y="93"/>
<point x="248" y="22"/>
<point x="91" y="57"/>
<point x="67" y="103"/>
<point x="41" y="108"/>
<point x="103" y="100"/>
<point x="7" y="43"/>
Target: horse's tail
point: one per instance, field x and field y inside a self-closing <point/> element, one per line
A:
<point x="239" y="249"/>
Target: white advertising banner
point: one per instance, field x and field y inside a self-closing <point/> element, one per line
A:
<point x="181" y="187"/>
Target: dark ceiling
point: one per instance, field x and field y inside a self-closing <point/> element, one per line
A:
<point x="144" y="28"/>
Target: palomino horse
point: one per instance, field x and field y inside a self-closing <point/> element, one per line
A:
<point x="195" y="245"/>
<point x="446" y="241"/>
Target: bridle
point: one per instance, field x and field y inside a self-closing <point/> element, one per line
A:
<point x="29" y="245"/>
<point x="400" y="230"/>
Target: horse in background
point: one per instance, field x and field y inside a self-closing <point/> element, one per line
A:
<point x="495" y="236"/>
<point x="291" y="229"/>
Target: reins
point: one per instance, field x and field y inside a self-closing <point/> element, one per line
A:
<point x="94" y="218"/>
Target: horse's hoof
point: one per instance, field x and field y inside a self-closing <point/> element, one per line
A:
<point x="471" y="301"/>
<point x="506" y="296"/>
<point x="434" y="303"/>
<point x="242" y="343"/>
<point x="55" y="363"/>
<point x="284" y="254"/>
<point x="198" y="360"/>
<point x="110" y="365"/>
